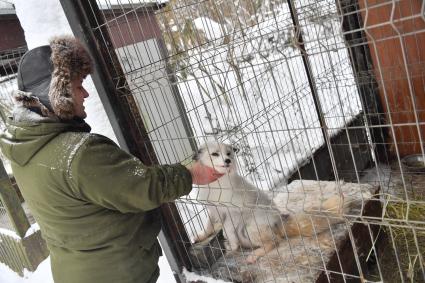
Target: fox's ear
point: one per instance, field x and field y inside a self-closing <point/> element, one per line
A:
<point x="235" y="149"/>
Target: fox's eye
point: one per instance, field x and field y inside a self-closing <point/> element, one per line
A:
<point x="214" y="154"/>
<point x="228" y="154"/>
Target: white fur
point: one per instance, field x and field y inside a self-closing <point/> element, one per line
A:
<point x="246" y="213"/>
<point x="22" y="114"/>
<point x="249" y="218"/>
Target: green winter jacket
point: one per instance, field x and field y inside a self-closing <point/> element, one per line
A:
<point x="94" y="202"/>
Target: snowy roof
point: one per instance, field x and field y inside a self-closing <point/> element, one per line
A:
<point x="129" y="4"/>
<point x="6" y="8"/>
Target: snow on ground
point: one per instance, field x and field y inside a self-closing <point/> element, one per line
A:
<point x="212" y="29"/>
<point x="33" y="228"/>
<point x="193" y="277"/>
<point x="44" y="275"/>
<point x="41" y="275"/>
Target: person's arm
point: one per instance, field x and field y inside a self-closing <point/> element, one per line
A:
<point x="104" y="174"/>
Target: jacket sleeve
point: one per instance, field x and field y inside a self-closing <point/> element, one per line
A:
<point x="104" y="174"/>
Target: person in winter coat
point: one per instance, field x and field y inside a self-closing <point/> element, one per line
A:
<point x="95" y="203"/>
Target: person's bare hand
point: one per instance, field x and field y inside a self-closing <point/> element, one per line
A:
<point x="202" y="175"/>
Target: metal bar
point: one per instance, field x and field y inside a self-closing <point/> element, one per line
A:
<point x="311" y="81"/>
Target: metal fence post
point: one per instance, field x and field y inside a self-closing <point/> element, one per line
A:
<point x="312" y="84"/>
<point x="361" y="61"/>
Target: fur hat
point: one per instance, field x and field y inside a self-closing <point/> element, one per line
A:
<point x="45" y="74"/>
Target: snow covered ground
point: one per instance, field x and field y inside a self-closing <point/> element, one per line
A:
<point x="44" y="275"/>
<point x="41" y="275"/>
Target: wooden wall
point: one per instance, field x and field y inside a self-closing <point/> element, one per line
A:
<point x="131" y="27"/>
<point x="396" y="37"/>
<point x="11" y="33"/>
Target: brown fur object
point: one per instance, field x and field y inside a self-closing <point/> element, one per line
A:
<point x="27" y="100"/>
<point x="294" y="225"/>
<point x="70" y="61"/>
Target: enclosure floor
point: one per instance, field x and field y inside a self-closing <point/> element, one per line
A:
<point x="297" y="259"/>
<point x="398" y="242"/>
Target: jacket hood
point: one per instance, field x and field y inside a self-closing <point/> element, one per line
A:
<point x="27" y="132"/>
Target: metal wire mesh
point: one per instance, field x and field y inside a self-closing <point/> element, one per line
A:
<point x="284" y="81"/>
<point x="320" y="90"/>
<point x="9" y="60"/>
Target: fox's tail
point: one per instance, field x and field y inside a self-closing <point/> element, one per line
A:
<point x="316" y="220"/>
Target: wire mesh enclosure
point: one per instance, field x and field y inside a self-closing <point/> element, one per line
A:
<point x="325" y="102"/>
<point x="9" y="60"/>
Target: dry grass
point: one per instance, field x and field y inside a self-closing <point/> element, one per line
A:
<point x="407" y="240"/>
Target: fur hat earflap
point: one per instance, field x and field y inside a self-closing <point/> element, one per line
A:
<point x="27" y="100"/>
<point x="70" y="61"/>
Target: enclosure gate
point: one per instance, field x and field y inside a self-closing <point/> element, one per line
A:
<point x="322" y="90"/>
